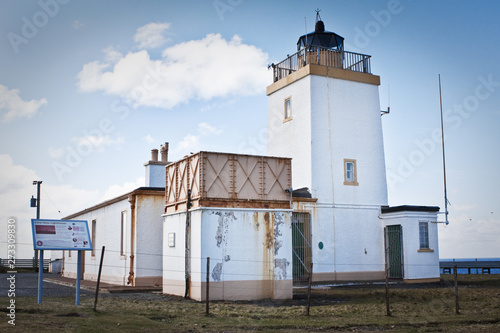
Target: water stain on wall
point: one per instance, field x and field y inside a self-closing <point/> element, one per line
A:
<point x="269" y="238"/>
<point x="280" y="267"/>
<point x="217" y="272"/>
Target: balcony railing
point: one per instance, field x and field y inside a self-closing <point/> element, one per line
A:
<point x="321" y="56"/>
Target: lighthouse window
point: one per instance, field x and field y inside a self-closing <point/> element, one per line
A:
<point x="350" y="177"/>
<point x="288" y="109"/>
<point x="424" y="234"/>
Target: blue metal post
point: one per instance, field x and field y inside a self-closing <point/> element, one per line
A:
<point x="78" y="273"/>
<point x="40" y="278"/>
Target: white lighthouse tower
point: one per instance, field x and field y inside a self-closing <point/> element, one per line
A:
<point x="324" y="113"/>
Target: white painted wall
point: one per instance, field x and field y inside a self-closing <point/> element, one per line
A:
<point x="333" y="119"/>
<point x="245" y="246"/>
<point x="352" y="237"/>
<point x="417" y="265"/>
<point x="115" y="267"/>
<point x="346" y="124"/>
<point x="155" y="175"/>
<point x="149" y="226"/>
<point x="173" y="256"/>
<point x="148" y="244"/>
<point x="292" y="138"/>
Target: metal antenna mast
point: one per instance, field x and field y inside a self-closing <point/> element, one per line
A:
<point x="444" y="159"/>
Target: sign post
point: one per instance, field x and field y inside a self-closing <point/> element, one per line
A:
<point x="60" y="235"/>
<point x="40" y="278"/>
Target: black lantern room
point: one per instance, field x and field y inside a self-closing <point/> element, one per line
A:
<point x="321" y="38"/>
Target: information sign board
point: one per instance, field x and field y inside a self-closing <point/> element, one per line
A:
<point x="60" y="235"/>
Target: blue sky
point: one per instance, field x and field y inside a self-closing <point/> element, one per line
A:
<point x="88" y="88"/>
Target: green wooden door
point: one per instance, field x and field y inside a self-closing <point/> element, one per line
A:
<point x="393" y="251"/>
<point x="301" y="246"/>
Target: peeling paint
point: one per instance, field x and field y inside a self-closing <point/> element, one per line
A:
<point x="222" y="229"/>
<point x="227" y="258"/>
<point x="217" y="272"/>
<point x="280" y="267"/>
<point x="278" y="222"/>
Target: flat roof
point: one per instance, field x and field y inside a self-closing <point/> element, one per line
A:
<point x="409" y="208"/>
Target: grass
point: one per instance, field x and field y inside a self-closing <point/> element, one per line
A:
<point x="429" y="308"/>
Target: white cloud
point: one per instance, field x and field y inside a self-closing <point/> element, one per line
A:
<point x="97" y="142"/>
<point x="111" y="55"/>
<point x="149" y="139"/>
<point x="151" y="35"/>
<point x="16" y="189"/>
<point x="56" y="152"/>
<point x="469" y="235"/>
<point x="116" y="190"/>
<point x="206" y="129"/>
<point x="193" y="143"/>
<point x="199" y="69"/>
<point x="189" y="144"/>
<point x="13" y="106"/>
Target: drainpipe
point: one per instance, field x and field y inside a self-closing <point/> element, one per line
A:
<point x="187" y="253"/>
<point x="131" y="278"/>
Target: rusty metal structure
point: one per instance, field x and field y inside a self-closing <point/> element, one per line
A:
<point x="228" y="180"/>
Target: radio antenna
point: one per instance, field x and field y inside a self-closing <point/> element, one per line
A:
<point x="444" y="159"/>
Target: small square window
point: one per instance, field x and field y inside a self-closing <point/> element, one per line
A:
<point x="350" y="176"/>
<point x="288" y="108"/>
<point x="423" y="228"/>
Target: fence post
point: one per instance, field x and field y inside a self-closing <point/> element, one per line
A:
<point x="207" y="296"/>
<point x="387" y="303"/>
<point x="99" y="277"/>
<point x="309" y="289"/>
<point x="457" y="308"/>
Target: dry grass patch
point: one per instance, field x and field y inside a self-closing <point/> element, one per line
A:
<point x="421" y="308"/>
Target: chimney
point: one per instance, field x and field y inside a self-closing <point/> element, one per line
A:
<point x="164" y="152"/>
<point x="154" y="155"/>
<point x="155" y="170"/>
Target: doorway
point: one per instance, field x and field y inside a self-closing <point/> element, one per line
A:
<point x="394" y="251"/>
<point x="301" y="246"/>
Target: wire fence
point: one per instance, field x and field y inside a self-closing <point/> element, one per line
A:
<point x="203" y="266"/>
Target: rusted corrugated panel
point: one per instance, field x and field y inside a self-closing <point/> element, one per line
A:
<point x="248" y="177"/>
<point x="217" y="175"/>
<point x="228" y="180"/>
<point x="277" y="178"/>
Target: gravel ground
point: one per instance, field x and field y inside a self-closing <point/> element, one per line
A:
<point x="26" y="285"/>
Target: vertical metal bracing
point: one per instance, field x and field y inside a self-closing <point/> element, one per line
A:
<point x="187" y="253"/>
<point x="301" y="246"/>
<point x="394" y="251"/>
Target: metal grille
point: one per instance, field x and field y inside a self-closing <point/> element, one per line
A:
<point x="393" y="251"/>
<point x="301" y="246"/>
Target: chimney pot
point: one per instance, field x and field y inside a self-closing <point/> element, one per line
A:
<point x="154" y="155"/>
<point x="164" y="152"/>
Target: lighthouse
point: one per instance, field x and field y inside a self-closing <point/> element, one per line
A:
<point x="324" y="112"/>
